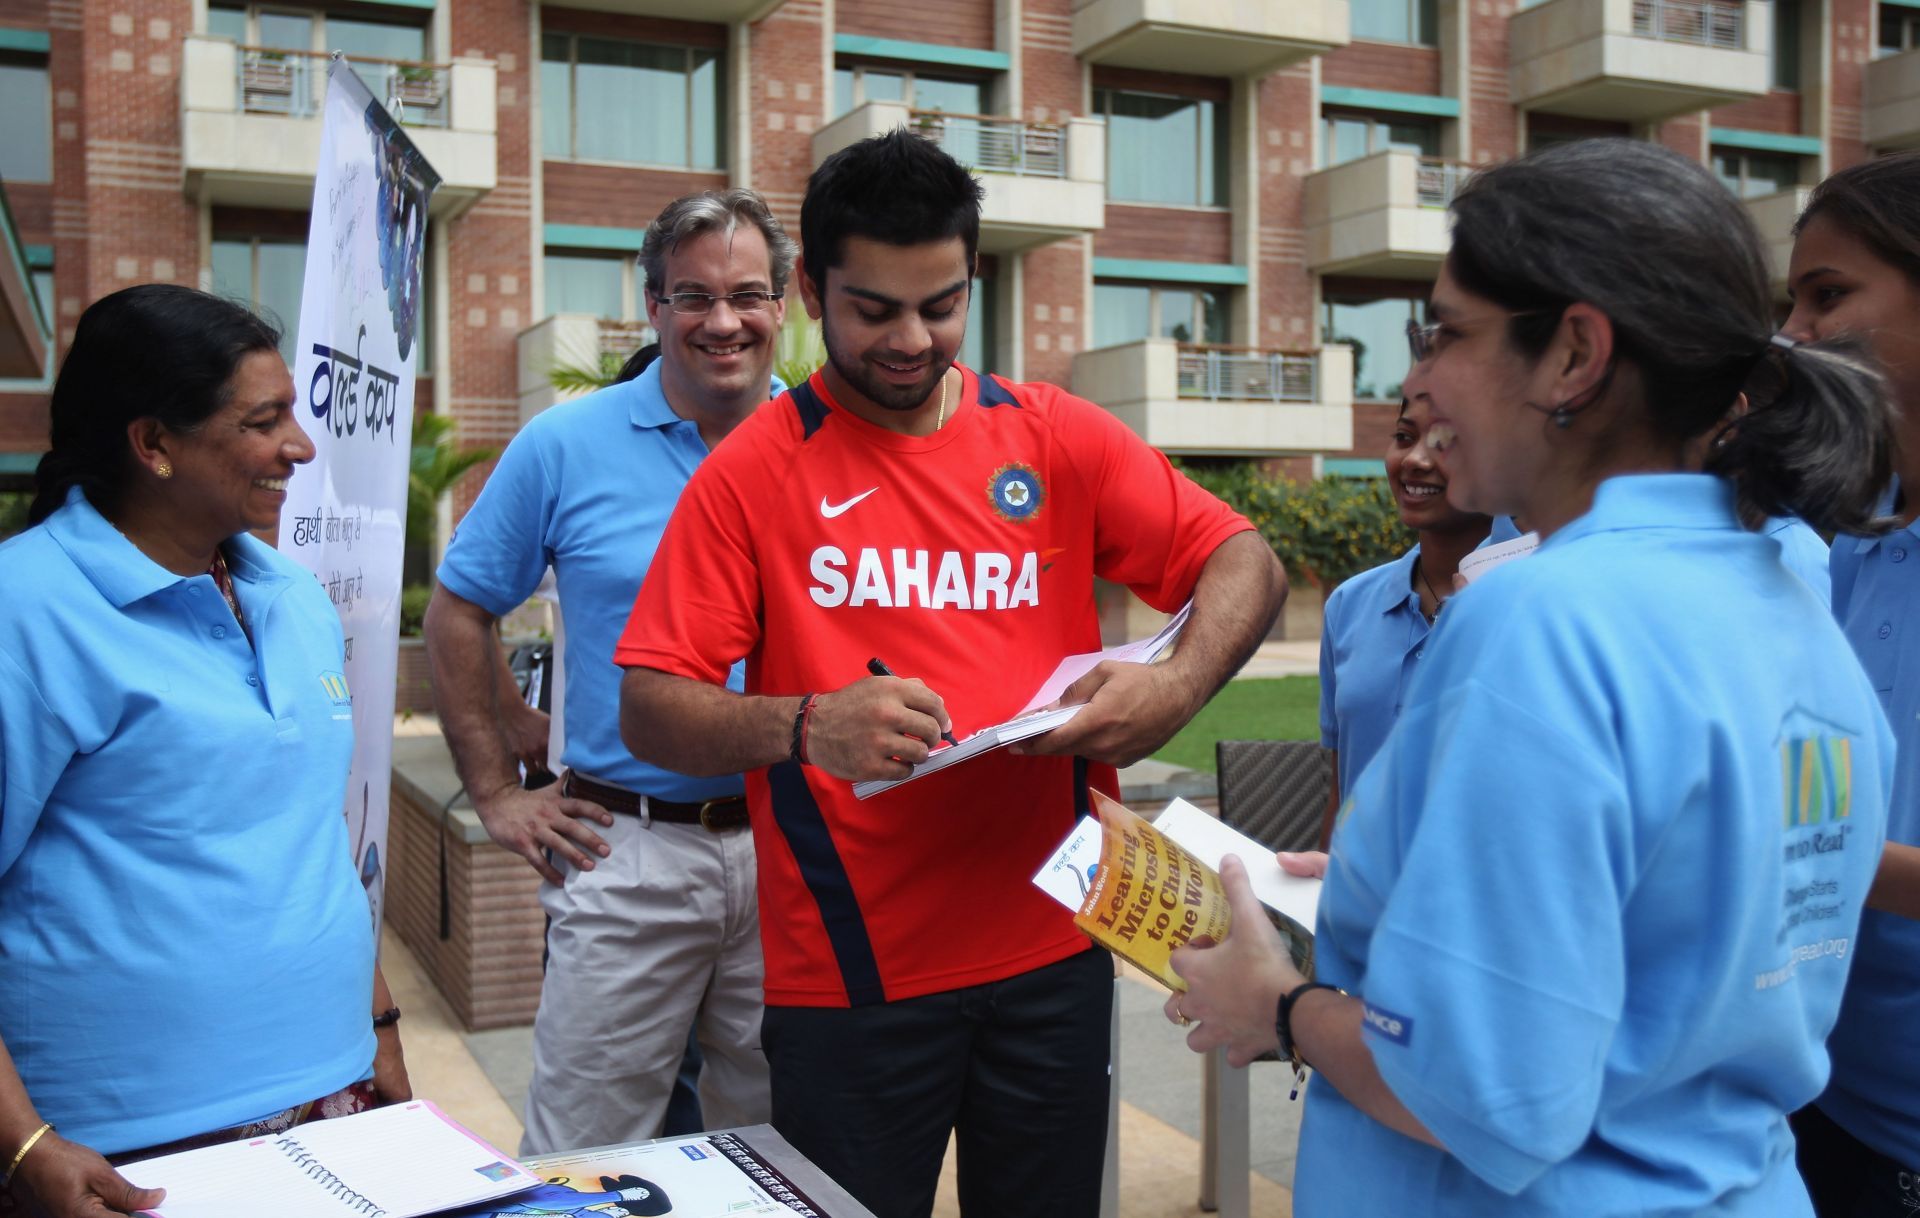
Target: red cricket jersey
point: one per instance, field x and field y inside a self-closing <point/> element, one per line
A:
<point x="811" y="541"/>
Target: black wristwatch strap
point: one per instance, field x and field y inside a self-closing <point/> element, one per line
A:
<point x="1283" y="1021"/>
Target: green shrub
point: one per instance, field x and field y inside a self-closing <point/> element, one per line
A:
<point x="413" y="607"/>
<point x="1325" y="532"/>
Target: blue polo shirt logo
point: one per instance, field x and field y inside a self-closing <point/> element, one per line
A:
<point x="335" y="683"/>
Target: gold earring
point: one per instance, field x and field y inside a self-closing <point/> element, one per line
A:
<point x="163" y="470"/>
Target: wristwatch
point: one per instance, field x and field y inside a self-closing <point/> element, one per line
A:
<point x="387" y="1018"/>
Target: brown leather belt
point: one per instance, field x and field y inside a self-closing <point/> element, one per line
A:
<point x="713" y="815"/>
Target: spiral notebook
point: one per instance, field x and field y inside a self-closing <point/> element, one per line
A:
<point x="397" y="1162"/>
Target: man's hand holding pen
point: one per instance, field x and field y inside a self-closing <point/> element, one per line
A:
<point x="877" y="727"/>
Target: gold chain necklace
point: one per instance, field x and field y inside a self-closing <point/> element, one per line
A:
<point x="942" y="420"/>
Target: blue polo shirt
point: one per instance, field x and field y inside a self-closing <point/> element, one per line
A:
<point x="1599" y="890"/>
<point x="586" y="488"/>
<point x="1371" y="638"/>
<point x="1875" y="1093"/>
<point x="1804" y="552"/>
<point x="184" y="945"/>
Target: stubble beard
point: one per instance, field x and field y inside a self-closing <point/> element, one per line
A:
<point x="857" y="372"/>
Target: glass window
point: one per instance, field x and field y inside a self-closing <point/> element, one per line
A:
<point x="1786" y="44"/>
<point x="1753" y="174"/>
<point x="1348" y="137"/>
<point x="842" y="90"/>
<point x="1416" y="21"/>
<point x="227" y="23"/>
<point x="856" y="84"/>
<point x="364" y="40"/>
<point x="586" y="283"/>
<point x="43" y="291"/>
<point x="1163" y="149"/>
<point x="636" y="103"/>
<point x="26" y="154"/>
<point x="1128" y="312"/>
<point x="1377" y="331"/>
<point x="285" y="31"/>
<point x="977" y="348"/>
<point x="266" y="273"/>
<point x="1122" y="313"/>
<point x="1899" y="30"/>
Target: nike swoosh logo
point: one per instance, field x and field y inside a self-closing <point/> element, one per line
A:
<point x="830" y="510"/>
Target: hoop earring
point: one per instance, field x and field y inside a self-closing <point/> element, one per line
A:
<point x="163" y="470"/>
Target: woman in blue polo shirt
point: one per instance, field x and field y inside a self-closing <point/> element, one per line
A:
<point x="1375" y="626"/>
<point x="1592" y="906"/>
<point x="186" y="950"/>
<point x="1856" y="271"/>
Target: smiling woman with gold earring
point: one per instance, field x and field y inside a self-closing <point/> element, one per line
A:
<point x="184" y="942"/>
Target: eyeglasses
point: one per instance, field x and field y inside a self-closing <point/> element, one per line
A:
<point x="1422" y="339"/>
<point x="698" y="304"/>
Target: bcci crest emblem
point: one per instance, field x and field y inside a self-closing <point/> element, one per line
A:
<point x="1015" y="492"/>
<point x="336" y="686"/>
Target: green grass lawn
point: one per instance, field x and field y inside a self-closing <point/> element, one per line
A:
<point x="1284" y="708"/>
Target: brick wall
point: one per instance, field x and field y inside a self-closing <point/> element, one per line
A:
<point x="489" y="260"/>
<point x="635" y="29"/>
<point x="1392" y="66"/>
<point x="610" y="196"/>
<point x="957" y="23"/>
<point x="1854" y="35"/>
<point x="1050" y="74"/>
<point x="1496" y="134"/>
<point x="1055" y="284"/>
<point x="1777" y="111"/>
<point x="1177" y="234"/>
<point x="1285" y="158"/>
<point x="1684" y="135"/>
<point x="789" y="49"/>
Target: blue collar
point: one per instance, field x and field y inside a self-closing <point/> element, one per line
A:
<point x="119" y="569"/>
<point x="1656" y="501"/>
<point x="1889" y="497"/>
<point x="1396" y="591"/>
<point x="647" y="404"/>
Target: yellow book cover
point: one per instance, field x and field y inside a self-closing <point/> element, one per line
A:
<point x="1150" y="896"/>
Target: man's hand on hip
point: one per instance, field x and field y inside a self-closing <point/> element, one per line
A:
<point x="530" y="823"/>
<point x="877" y="727"/>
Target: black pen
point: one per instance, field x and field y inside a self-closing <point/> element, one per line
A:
<point x="878" y="668"/>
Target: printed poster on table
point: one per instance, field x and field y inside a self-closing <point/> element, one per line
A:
<point x="353" y="384"/>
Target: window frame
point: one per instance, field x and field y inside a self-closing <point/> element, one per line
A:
<point x="1156" y="312"/>
<point x="1101" y="107"/>
<point x="1377" y="122"/>
<point x="1418" y="13"/>
<point x="632" y="285"/>
<point x="720" y="113"/>
<point x="909" y="75"/>
<point x="1416" y="302"/>
<point x="1908" y="22"/>
<point x="1747" y="155"/>
<point x="36" y="61"/>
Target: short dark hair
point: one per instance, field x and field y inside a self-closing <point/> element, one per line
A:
<point x="898" y="189"/>
<point x="1661" y="247"/>
<point x="1876" y="202"/>
<point x="156" y="350"/>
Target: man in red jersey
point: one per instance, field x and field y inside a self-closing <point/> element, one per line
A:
<point x="900" y="507"/>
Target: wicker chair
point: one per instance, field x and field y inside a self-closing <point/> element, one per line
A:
<point x="1274" y="791"/>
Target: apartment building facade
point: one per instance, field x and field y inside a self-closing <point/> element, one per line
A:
<point x="1213" y="217"/>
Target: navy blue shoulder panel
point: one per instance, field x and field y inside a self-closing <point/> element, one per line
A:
<point x="813" y="411"/>
<point x="993" y="393"/>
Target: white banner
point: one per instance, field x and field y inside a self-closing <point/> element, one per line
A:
<point x="345" y="517"/>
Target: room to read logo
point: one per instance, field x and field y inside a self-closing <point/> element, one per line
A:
<point x="335" y="683"/>
<point x="1816" y="781"/>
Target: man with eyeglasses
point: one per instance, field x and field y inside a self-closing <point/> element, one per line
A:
<point x="653" y="925"/>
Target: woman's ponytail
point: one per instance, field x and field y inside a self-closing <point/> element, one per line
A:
<point x="1818" y="442"/>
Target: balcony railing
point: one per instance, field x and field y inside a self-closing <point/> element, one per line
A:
<point x="1699" y="22"/>
<point x="1245" y="374"/>
<point x="997" y="145"/>
<point x="1437" y="181"/>
<point x="291" y="83"/>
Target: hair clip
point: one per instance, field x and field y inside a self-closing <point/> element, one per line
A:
<point x="1783" y="342"/>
